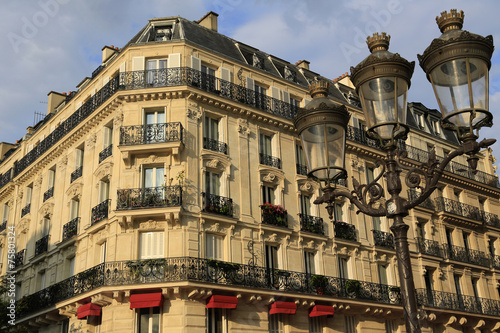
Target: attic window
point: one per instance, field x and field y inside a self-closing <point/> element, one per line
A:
<point x="163" y="33"/>
<point x="420" y="120"/>
<point x="289" y="74"/>
<point x="257" y="62"/>
<point x="436" y="127"/>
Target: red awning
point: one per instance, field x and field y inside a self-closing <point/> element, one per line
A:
<point x="222" y="302"/>
<point x="283" y="307"/>
<point x="89" y="309"/>
<point x="321" y="310"/>
<point x="138" y="301"/>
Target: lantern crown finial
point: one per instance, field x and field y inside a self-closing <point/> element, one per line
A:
<point x="319" y="89"/>
<point x="378" y="42"/>
<point x="454" y="20"/>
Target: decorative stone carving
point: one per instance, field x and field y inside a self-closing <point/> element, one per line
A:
<point x="269" y="177"/>
<point x="61" y="165"/>
<point x="38" y="181"/>
<point x="75" y="190"/>
<point x="273" y="238"/>
<point x="194" y="112"/>
<point x="216" y="228"/>
<point x="90" y="143"/>
<point x="151" y="225"/>
<point x="46" y="209"/>
<point x="118" y="120"/>
<point x="214" y="163"/>
<point x="104" y="171"/>
<point x="243" y="127"/>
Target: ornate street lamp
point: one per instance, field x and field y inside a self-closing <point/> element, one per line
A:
<point x="457" y="64"/>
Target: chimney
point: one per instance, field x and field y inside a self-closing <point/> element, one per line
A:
<point x="209" y="21"/>
<point x="107" y="52"/>
<point x="303" y="64"/>
<point x="55" y="99"/>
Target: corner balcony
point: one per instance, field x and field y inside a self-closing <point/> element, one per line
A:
<point x="429" y="247"/>
<point x="214" y="145"/>
<point x="345" y="231"/>
<point x="76" y="174"/>
<point x="100" y="212"/>
<point x="19" y="259"/>
<point x="70" y="229"/>
<point x="456" y="302"/>
<point x="151" y="138"/>
<point x="105" y="153"/>
<point x="41" y="245"/>
<point x="217" y="205"/>
<point x="469" y="256"/>
<point x="383" y="239"/>
<point x="274" y="215"/>
<point x="269" y="161"/>
<point x="159" y="271"/>
<point x="48" y="194"/>
<point x="311" y="224"/>
<point x="26" y="210"/>
<point x="149" y="197"/>
<point x="458" y="209"/>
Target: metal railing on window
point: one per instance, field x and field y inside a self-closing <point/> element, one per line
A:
<point x="383" y="239"/>
<point x="458" y="208"/>
<point x="100" y="212"/>
<point x="151" y="133"/>
<point x="269" y="161"/>
<point x="312" y="224"/>
<point x="3" y="226"/>
<point x="217" y="204"/>
<point x="26" y="210"/>
<point x="427" y="203"/>
<point x="274" y="215"/>
<point x="149" y="197"/>
<point x="48" y="194"/>
<point x="430" y="247"/>
<point x="70" y="229"/>
<point x="19" y="259"/>
<point x="105" y="153"/>
<point x="214" y="145"/>
<point x="41" y="245"/>
<point x="466" y="255"/>
<point x="301" y="169"/>
<point x="345" y="231"/>
<point x="76" y="174"/>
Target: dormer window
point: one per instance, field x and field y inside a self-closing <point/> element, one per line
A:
<point x="163" y="33"/>
<point x="420" y="120"/>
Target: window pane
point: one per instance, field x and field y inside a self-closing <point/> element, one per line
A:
<point x="148" y="177"/>
<point x="160" y="175"/>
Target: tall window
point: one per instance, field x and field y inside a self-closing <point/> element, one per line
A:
<point x="5" y="214"/>
<point x="377" y="223"/>
<point x="465" y="237"/>
<point x="271" y="256"/>
<point x="429" y="285"/>
<point x="29" y="195"/>
<point x="78" y="158"/>
<point x="41" y="280"/>
<point x="276" y="323"/>
<point x="305" y="204"/>
<point x="103" y="190"/>
<point x="343" y="268"/>
<point x="107" y="136"/>
<point x="148" y="320"/>
<point x="315" y="325"/>
<point x="207" y="78"/>
<point x="214" y="247"/>
<point x="154" y="177"/>
<point x="382" y="274"/>
<point x="154" y="66"/>
<point x="370" y="174"/>
<point x="268" y="194"/>
<point x="45" y="226"/>
<point x="299" y="155"/>
<point x="74" y="209"/>
<point x="216" y="320"/>
<point x="52" y="178"/>
<point x="71" y="264"/>
<point x="260" y="96"/>
<point x="338" y="211"/>
<point x="211" y="128"/>
<point x="265" y="143"/>
<point x="449" y="238"/>
<point x="102" y="252"/>
<point x="474" y="288"/>
<point x="212" y="183"/>
<point x="151" y="245"/>
<point x="491" y="246"/>
<point x="309" y="262"/>
<point x="458" y="287"/>
<point x="421" y="230"/>
<point x="350" y="324"/>
<point x="153" y="132"/>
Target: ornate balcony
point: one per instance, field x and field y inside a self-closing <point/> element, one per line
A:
<point x="214" y="145"/>
<point x="274" y="215"/>
<point x="311" y="224"/>
<point x="151" y="134"/>
<point x="301" y="169"/>
<point x="150" y="197"/>
<point x="70" y="229"/>
<point x="463" y="254"/>
<point x="76" y="174"/>
<point x="383" y="239"/>
<point x="26" y="210"/>
<point x="458" y="208"/>
<point x="359" y="136"/>
<point x="5" y="178"/>
<point x="269" y="161"/>
<point x="19" y="259"/>
<point x="105" y="153"/>
<point x="100" y="212"/>
<point x="427" y="203"/>
<point x="48" y="194"/>
<point x="41" y="245"/>
<point x="491" y="219"/>
<point x="430" y="247"/>
<point x="3" y="226"/>
<point x="156" y="271"/>
<point x="216" y="204"/>
<point x="345" y="231"/>
<point x="451" y="301"/>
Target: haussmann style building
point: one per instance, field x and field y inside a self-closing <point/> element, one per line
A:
<point x="168" y="194"/>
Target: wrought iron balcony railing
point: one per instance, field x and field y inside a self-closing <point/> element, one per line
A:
<point x="458" y="208"/>
<point x="100" y="212"/>
<point x="214" y="145"/>
<point x="427" y="203"/>
<point x="269" y="161"/>
<point x="41" y="245"/>
<point x="105" y="153"/>
<point x="274" y="215"/>
<point x="19" y="259"/>
<point x="48" y="194"/>
<point x="384" y="239"/>
<point x="359" y="136"/>
<point x="463" y="254"/>
<point x="76" y="174"/>
<point x="490" y="219"/>
<point x="70" y="229"/>
<point x="151" y="133"/>
<point x="312" y="224"/>
<point x="430" y="247"/>
<point x="149" y="197"/>
<point x="345" y="231"/>
<point x="204" y="270"/>
<point x="451" y="301"/>
<point x="216" y="204"/>
<point x="3" y="226"/>
<point x="301" y="169"/>
<point x="5" y="178"/>
<point x="496" y="262"/>
<point x="26" y="210"/>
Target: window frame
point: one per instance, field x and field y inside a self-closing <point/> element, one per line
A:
<point x="151" y="315"/>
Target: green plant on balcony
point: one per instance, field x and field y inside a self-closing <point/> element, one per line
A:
<point x="352" y="286"/>
<point x="319" y="282"/>
<point x="273" y="214"/>
<point x="137" y="268"/>
<point x="224" y="209"/>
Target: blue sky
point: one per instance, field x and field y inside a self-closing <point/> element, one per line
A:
<point x="53" y="44"/>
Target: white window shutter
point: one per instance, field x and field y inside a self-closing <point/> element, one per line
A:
<point x="286" y="97"/>
<point x="275" y="93"/>
<point x="210" y="246"/>
<point x="225" y="74"/>
<point x="250" y="83"/>
<point x="158" y="239"/>
<point x="218" y="248"/>
<point x="174" y="60"/>
<point x="107" y="136"/>
<point x="195" y="63"/>
<point x="138" y="63"/>
<point x="123" y="67"/>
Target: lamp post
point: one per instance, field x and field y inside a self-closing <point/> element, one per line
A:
<point x="457" y="65"/>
